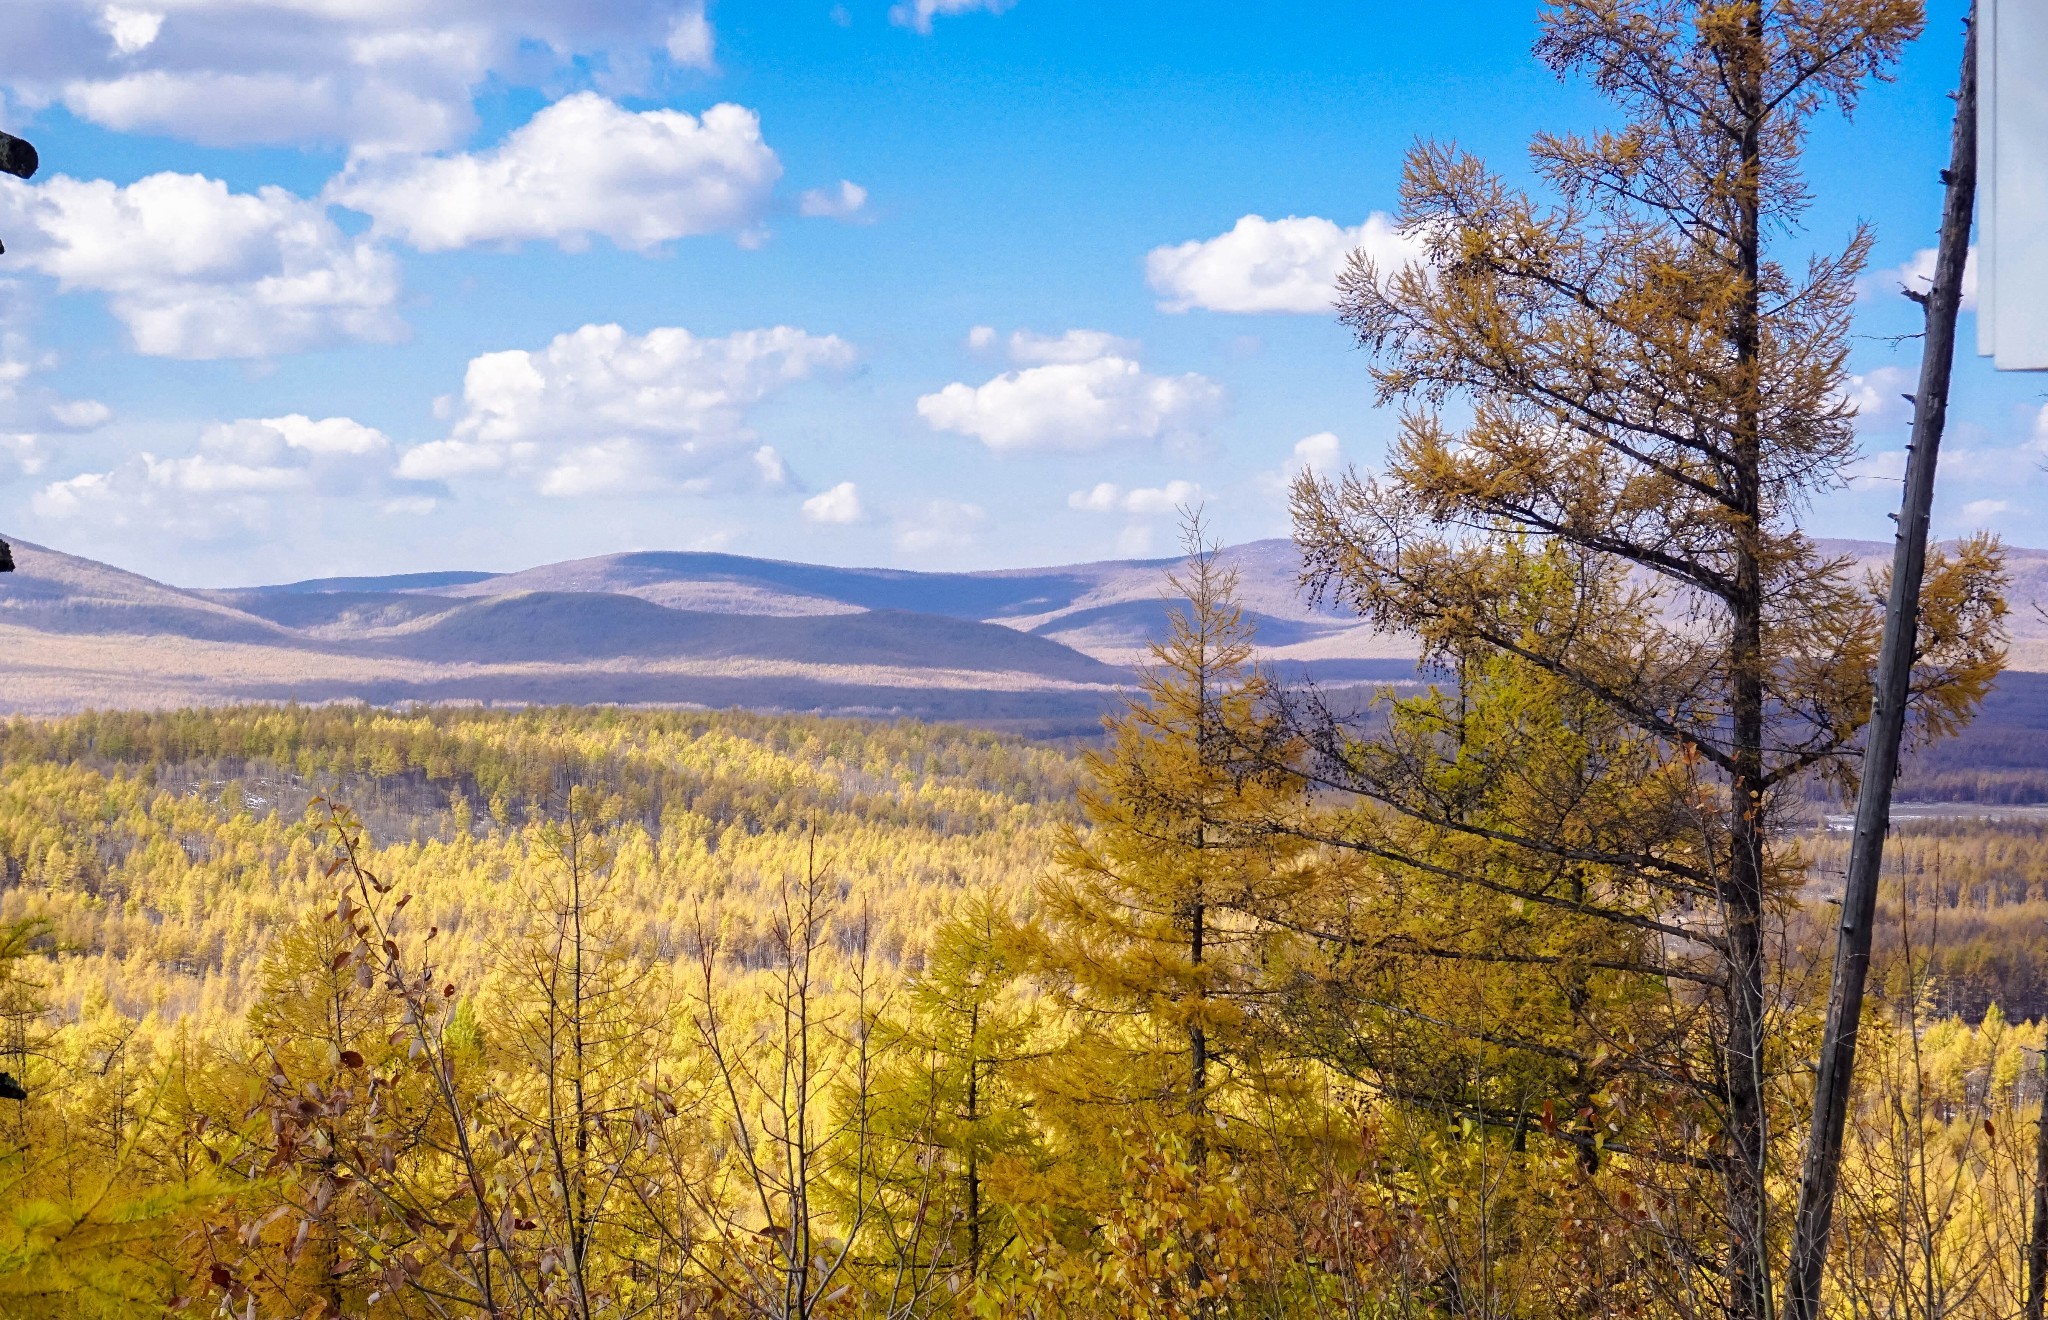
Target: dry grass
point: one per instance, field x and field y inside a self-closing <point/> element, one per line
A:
<point x="49" y="673"/>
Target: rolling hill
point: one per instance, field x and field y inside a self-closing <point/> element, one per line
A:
<point x="1108" y="609"/>
<point x="1046" y="648"/>
<point x="76" y="634"/>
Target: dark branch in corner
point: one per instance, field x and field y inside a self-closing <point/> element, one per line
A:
<point x="17" y="157"/>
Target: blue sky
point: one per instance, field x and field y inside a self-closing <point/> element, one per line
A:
<point x="314" y="287"/>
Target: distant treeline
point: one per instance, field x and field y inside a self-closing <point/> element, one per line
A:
<point x="1964" y="905"/>
<point x="2001" y="757"/>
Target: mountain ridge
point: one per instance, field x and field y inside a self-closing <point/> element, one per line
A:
<point x="690" y="627"/>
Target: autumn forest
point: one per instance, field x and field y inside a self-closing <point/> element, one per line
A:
<point x="1505" y="994"/>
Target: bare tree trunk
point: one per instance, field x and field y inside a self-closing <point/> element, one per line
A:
<point x="974" y="1143"/>
<point x="2037" y="1243"/>
<point x="1198" y="1036"/>
<point x="1822" y="1170"/>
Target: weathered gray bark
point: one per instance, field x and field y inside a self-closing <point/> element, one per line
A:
<point x="2037" y="1244"/>
<point x="1818" y="1179"/>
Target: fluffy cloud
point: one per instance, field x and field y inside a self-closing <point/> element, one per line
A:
<point x="235" y="480"/>
<point x="690" y="41"/>
<point x="1886" y="466"/>
<point x="1878" y="396"/>
<point x="1261" y="265"/>
<point x="844" y="202"/>
<point x="21" y="453"/>
<point x="1979" y="513"/>
<point x="196" y="271"/>
<point x="918" y="14"/>
<point x="1108" y="497"/>
<point x="389" y="75"/>
<point x="1321" y="454"/>
<point x="81" y="414"/>
<point x="580" y="167"/>
<point x="768" y="463"/>
<point x="839" y="505"/>
<point x="29" y="409"/>
<point x="1082" y="390"/>
<point x="1917" y="274"/>
<point x="939" y="525"/>
<point x="1072" y="347"/>
<point x="601" y="410"/>
<point x="132" y="29"/>
<point x="298" y="438"/>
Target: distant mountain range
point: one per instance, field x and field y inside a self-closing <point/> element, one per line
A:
<point x="1043" y="648"/>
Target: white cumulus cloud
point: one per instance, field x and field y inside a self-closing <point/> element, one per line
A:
<point x="691" y="42"/>
<point x="840" y="505"/>
<point x="1884" y="467"/>
<point x="21" y="454"/>
<point x="2041" y="429"/>
<point x="1082" y="390"/>
<point x="30" y="409"/>
<point x="581" y="167"/>
<point x="1917" y="274"/>
<point x="1321" y="454"/>
<point x="1154" y="500"/>
<point x="133" y="30"/>
<point x="1108" y="497"/>
<point x="241" y="476"/>
<point x="194" y="270"/>
<point x="1878" y="395"/>
<point x="1073" y="346"/>
<point x="1261" y="265"/>
<point x="80" y="414"/>
<point x="324" y="438"/>
<point x="768" y="462"/>
<point x="918" y="14"/>
<point x="844" y="202"/>
<point x="599" y="409"/>
<point x="371" y="75"/>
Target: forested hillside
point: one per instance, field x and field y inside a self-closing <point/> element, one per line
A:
<point x="1966" y="900"/>
<point x="689" y="1014"/>
<point x="1548" y="990"/>
<point x="171" y="898"/>
<point x="171" y="847"/>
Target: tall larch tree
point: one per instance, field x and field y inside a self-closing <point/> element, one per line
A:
<point x="951" y="1089"/>
<point x="1648" y="365"/>
<point x="1149" y="902"/>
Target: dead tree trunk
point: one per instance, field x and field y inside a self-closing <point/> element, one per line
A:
<point x="1822" y="1169"/>
<point x="2037" y="1244"/>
